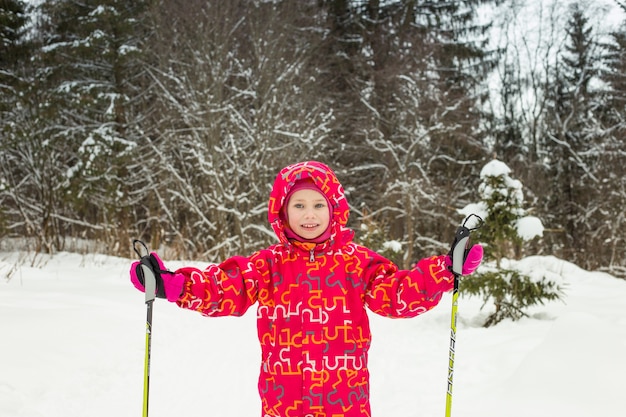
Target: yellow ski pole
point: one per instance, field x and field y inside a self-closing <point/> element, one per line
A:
<point x="146" y="372"/>
<point x="458" y="253"/>
<point x="455" y="303"/>
<point x="149" y="281"/>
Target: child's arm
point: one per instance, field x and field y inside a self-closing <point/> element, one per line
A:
<point x="406" y="293"/>
<point x="227" y="289"/>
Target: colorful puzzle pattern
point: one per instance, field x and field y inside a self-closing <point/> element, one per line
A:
<point x="311" y="306"/>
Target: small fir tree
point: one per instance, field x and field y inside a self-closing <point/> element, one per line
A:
<point x="506" y="227"/>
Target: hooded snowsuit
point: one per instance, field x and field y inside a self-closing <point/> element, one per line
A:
<point x="312" y="324"/>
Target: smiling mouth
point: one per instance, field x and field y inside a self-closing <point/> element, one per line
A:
<point x="309" y="226"/>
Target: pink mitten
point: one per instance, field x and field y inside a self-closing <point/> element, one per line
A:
<point x="169" y="284"/>
<point x="472" y="260"/>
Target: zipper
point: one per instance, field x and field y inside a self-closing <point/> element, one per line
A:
<point x="312" y="255"/>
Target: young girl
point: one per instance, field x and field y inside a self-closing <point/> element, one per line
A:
<point x="311" y="291"/>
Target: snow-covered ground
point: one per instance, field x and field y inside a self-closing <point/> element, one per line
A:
<point x="72" y="332"/>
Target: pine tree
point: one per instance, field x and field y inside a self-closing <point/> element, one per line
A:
<point x="14" y="50"/>
<point x="506" y="227"/>
<point x="12" y="27"/>
<point x="15" y="76"/>
<point x="611" y="114"/>
<point x="570" y="149"/>
<point x="407" y="77"/>
<point x="74" y="121"/>
<point x="507" y="129"/>
<point x="435" y="113"/>
<point x="92" y="53"/>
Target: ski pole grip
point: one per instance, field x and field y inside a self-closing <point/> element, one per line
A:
<point x="459" y="246"/>
<point x="149" y="278"/>
<point x="149" y="281"/>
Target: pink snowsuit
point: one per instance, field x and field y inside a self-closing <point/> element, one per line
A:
<point x="312" y="324"/>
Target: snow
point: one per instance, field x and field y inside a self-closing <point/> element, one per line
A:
<point x="479" y="209"/>
<point x="393" y="245"/>
<point x="495" y="168"/>
<point x="73" y="335"/>
<point x="529" y="227"/>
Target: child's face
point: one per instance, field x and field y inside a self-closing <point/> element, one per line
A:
<point x="308" y="213"/>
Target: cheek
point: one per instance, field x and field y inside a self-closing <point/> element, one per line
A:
<point x="325" y="217"/>
<point x="289" y="213"/>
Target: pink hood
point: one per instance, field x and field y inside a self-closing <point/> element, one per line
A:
<point x="327" y="181"/>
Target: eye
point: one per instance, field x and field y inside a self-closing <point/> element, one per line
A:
<point x="320" y="205"/>
<point x="298" y="205"/>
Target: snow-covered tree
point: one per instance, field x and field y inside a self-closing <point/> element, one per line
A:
<point x="403" y="79"/>
<point x="75" y="123"/>
<point x="571" y="150"/>
<point x="234" y="103"/>
<point x="26" y="176"/>
<point x="606" y="235"/>
<point x="506" y="226"/>
<point x="168" y="123"/>
<point x="93" y="57"/>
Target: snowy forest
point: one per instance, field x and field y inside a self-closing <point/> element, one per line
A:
<point x="169" y="120"/>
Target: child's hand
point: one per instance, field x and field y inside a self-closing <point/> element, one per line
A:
<point x="472" y="261"/>
<point x="169" y="285"/>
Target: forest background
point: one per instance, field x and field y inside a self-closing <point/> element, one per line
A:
<point x="168" y="120"/>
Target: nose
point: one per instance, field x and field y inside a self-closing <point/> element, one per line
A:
<point x="309" y="213"/>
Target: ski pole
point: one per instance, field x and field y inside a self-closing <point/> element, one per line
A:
<point x="149" y="281"/>
<point x="458" y="255"/>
